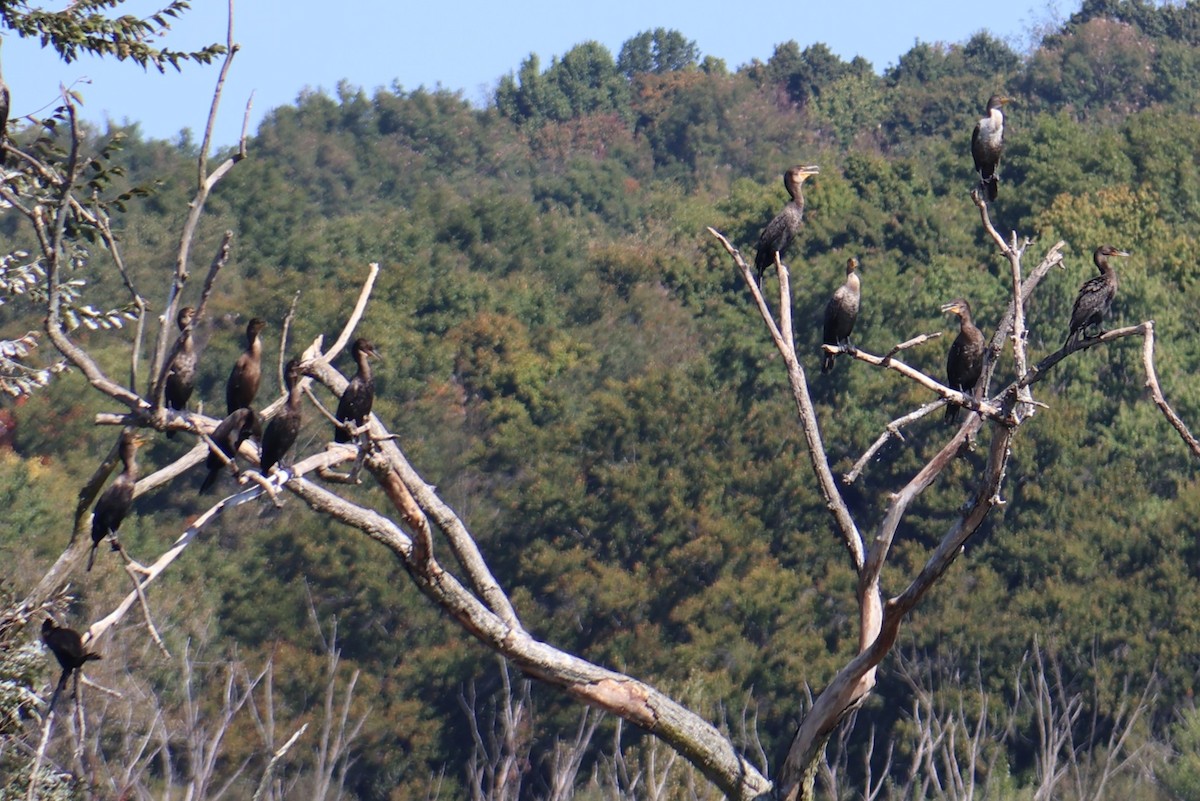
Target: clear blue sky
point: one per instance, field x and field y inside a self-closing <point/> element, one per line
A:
<point x="291" y="45"/>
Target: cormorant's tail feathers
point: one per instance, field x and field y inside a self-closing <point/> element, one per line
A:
<point x="62" y="684"/>
<point x="989" y="187"/>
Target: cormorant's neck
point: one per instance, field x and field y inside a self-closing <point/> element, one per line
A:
<point x="852" y="281"/>
<point x="255" y="348"/>
<point x="129" y="457"/>
<point x="364" y="365"/>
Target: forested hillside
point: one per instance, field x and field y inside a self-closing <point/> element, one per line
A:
<point x="571" y="359"/>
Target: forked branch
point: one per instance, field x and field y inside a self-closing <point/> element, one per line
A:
<point x="847" y="528"/>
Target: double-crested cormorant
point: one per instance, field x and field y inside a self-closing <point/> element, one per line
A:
<point x="987" y="145"/>
<point x="247" y="371"/>
<point x="841" y="313"/>
<point x="181" y="374"/>
<point x="228" y="437"/>
<point x="964" y="363"/>
<point x="356" y="401"/>
<point x="285" y="425"/>
<point x="778" y="235"/>
<point x="67" y="646"/>
<point x="115" y="502"/>
<point x="1095" y="297"/>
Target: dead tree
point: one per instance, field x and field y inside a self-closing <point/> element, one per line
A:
<point x="1000" y="413"/>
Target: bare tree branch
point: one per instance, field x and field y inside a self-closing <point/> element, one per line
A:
<point x="984" y="407"/>
<point x="1156" y="391"/>
<point x="892" y="429"/>
<point x="847" y="528"/>
<point x="152" y="571"/>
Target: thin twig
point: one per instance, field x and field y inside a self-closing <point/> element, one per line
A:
<point x="204" y="186"/>
<point x="1038" y="371"/>
<point x="40" y="755"/>
<point x="278" y="755"/>
<point x="53" y="249"/>
<point x="1052" y="259"/>
<point x="285" y="330"/>
<point x="133" y="572"/>
<point x="892" y="429"/>
<point x="231" y="50"/>
<point x="1017" y="333"/>
<point x="360" y="306"/>
<point x="920" y="339"/>
<point x="279" y="478"/>
<point x="763" y="309"/>
<point x="985" y="407"/>
<point x="1156" y="391"/>
<point x="100" y="221"/>
<point x="162" y="361"/>
<point x="785" y="305"/>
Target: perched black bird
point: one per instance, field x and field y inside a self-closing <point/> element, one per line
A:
<point x="778" y="235"/>
<point x="1095" y="297"/>
<point x="67" y="645"/>
<point x="841" y="313"/>
<point x="247" y="371"/>
<point x="285" y="425"/>
<point x="115" y="502"/>
<point x="4" y="107"/>
<point x="987" y="145"/>
<point x="356" y="401"/>
<point x="228" y="437"/>
<point x="181" y="374"/>
<point x="964" y="363"/>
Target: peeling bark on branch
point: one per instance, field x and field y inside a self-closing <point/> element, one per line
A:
<point x="483" y="608"/>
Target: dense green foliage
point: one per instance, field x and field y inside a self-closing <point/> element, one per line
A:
<point x="571" y="360"/>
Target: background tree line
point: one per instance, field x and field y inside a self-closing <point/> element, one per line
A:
<point x="571" y="361"/>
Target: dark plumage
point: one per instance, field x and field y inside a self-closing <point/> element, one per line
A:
<point x="778" y="235"/>
<point x="356" y="401"/>
<point x="247" y="371"/>
<point x="841" y="313"/>
<point x="115" y="502"/>
<point x="964" y="363"/>
<point x="987" y="145"/>
<point x="285" y="425"/>
<point x="67" y="646"/>
<point x="1095" y="297"/>
<point x="228" y="436"/>
<point x="4" y="108"/>
<point x="181" y="374"/>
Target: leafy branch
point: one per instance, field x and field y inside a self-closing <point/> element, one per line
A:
<point x="84" y="28"/>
